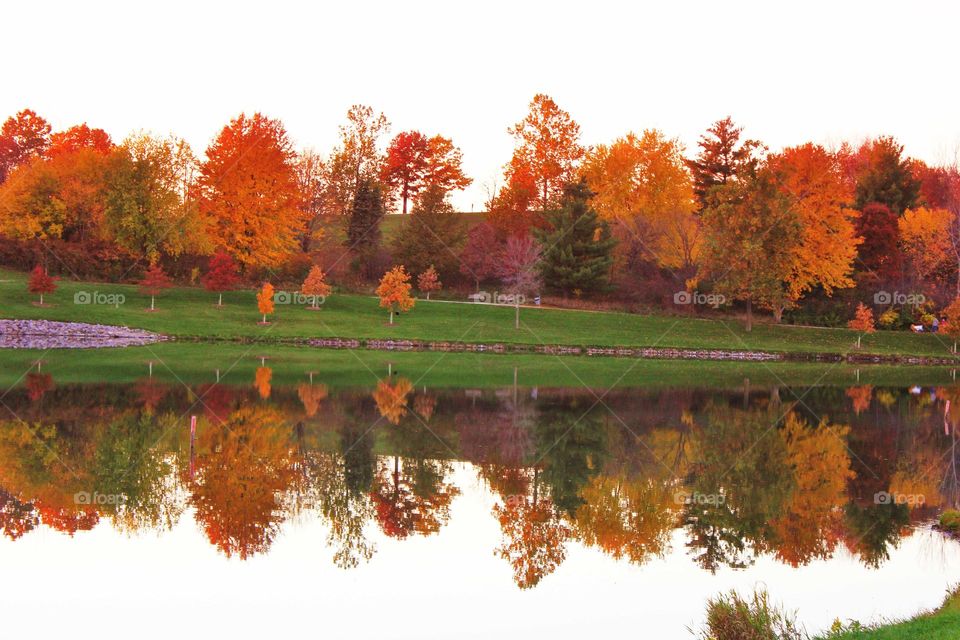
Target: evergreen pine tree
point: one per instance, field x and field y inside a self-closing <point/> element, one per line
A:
<point x="577" y="245"/>
<point x="432" y="236"/>
<point x="363" y="230"/>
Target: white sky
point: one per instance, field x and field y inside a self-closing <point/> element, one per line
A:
<point x="819" y="71"/>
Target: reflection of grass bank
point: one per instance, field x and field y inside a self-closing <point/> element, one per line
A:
<point x="950" y="521"/>
<point x="732" y="617"/>
<point x="191" y="313"/>
<point x="197" y="363"/>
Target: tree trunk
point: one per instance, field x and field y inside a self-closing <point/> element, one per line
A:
<point x="391" y="316"/>
<point x="428" y="295"/>
<point x="152" y="308"/>
<point x="220" y="300"/>
<point x="858" y="341"/>
<point x="264" y="318"/>
<point x="516" y="322"/>
<point x="749" y="316"/>
<point x="778" y="314"/>
<point x="41" y="299"/>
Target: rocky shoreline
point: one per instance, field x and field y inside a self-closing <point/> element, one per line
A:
<point x="48" y="334"/>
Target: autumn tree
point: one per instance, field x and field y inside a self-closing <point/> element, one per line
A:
<point x="428" y="281"/>
<point x="883" y="175"/>
<point x="879" y="254"/>
<point x="363" y="230"/>
<point x="41" y="282"/>
<point x="261" y="382"/>
<point x="480" y="257"/>
<point x="862" y="321"/>
<point x="222" y="274"/>
<point x="315" y="286"/>
<point x="79" y="137"/>
<point x="22" y="137"/>
<point x="155" y="280"/>
<point x="415" y="162"/>
<point x="356" y="158"/>
<point x="392" y="398"/>
<point x="822" y="255"/>
<point x="750" y="231"/>
<point x="519" y="270"/>
<point x="249" y="196"/>
<point x="147" y="206"/>
<point x="394" y="291"/>
<point x="925" y="238"/>
<point x="310" y="171"/>
<point x="577" y="245"/>
<point x="722" y="158"/>
<point x="642" y="182"/>
<point x="548" y="147"/>
<point x="265" y="301"/>
<point x="433" y="235"/>
<point x="513" y="210"/>
<point x="951" y="325"/>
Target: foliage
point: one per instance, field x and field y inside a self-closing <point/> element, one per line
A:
<point x="733" y="617"/>
<point x="879" y="254"/>
<point x="394" y="291"/>
<point x="22" y="137"/>
<point x="433" y="235"/>
<point x="722" y="158"/>
<point x="41" y="282"/>
<point x="428" y="281"/>
<point x="884" y="176"/>
<point x="356" y="158"/>
<point x="222" y="274"/>
<point x="547" y="149"/>
<point x="415" y="162"/>
<point x="481" y="253"/>
<point x="363" y="229"/>
<point x="577" y="245"/>
<point x="265" y="300"/>
<point x="249" y="195"/>
<point x="315" y="286"/>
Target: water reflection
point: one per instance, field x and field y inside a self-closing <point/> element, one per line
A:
<point x="795" y="474"/>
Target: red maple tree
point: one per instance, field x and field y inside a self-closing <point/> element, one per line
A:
<point x="41" y="282"/>
<point x="154" y="282"/>
<point x="222" y="275"/>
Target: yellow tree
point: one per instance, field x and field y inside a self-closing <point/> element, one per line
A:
<point x="952" y="325"/>
<point x="643" y="183"/>
<point x="820" y="462"/>
<point x="394" y="291"/>
<point x="925" y="238"/>
<point x="265" y="301"/>
<point x="392" y="399"/>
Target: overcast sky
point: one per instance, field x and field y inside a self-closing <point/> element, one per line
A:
<point x="819" y="71"/>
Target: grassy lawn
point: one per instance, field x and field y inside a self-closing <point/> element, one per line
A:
<point x="191" y="312"/>
<point x="942" y="624"/>
<point x="193" y="363"/>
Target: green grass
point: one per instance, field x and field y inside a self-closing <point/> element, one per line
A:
<point x="942" y="624"/>
<point x="194" y="363"/>
<point x="191" y="313"/>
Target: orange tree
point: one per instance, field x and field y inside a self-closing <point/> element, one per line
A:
<point x="315" y="286"/>
<point x="862" y="322"/>
<point x="952" y="325"/>
<point x="265" y="300"/>
<point x="394" y="291"/>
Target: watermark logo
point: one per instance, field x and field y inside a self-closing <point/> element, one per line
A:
<point x="485" y="297"/>
<point x="899" y="298"/>
<point x="698" y="298"/>
<point x="87" y="498"/>
<point x="295" y="297"/>
<point x="909" y="499"/>
<point x="96" y="297"/>
<point x="687" y="498"/>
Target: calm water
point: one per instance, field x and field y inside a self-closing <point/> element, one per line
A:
<point x="402" y="511"/>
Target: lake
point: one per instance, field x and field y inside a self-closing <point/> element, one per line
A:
<point x="163" y="491"/>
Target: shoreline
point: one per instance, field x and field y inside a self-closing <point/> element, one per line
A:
<point x="48" y="334"/>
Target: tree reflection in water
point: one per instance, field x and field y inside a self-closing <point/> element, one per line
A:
<point x="742" y="474"/>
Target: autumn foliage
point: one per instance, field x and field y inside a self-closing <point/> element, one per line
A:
<point x="429" y="281"/>
<point x="41" y="282"/>
<point x="222" y="275"/>
<point x="265" y="301"/>
<point x="394" y="291"/>
<point x="155" y="280"/>
<point x="315" y="286"/>
<point x="862" y="321"/>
